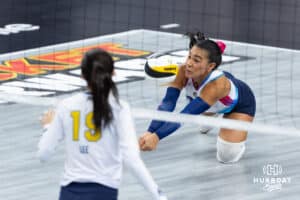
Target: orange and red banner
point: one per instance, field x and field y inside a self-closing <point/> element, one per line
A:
<point x="58" y="61"/>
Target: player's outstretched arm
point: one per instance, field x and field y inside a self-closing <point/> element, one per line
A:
<point x="131" y="154"/>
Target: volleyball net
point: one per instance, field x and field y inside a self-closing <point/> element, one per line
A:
<point x="138" y="31"/>
<point x="271" y="73"/>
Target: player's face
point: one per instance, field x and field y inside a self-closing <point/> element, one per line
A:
<point x="197" y="63"/>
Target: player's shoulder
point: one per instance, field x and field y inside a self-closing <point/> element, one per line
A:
<point x="118" y="104"/>
<point x="120" y="108"/>
<point x="217" y="84"/>
<point x="73" y="100"/>
<point x="215" y="74"/>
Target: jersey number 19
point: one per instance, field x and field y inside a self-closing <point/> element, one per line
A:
<point x="90" y="133"/>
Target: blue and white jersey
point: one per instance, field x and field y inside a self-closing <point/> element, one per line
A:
<point x="224" y="105"/>
<point x="95" y="156"/>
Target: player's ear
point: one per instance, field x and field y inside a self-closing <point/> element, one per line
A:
<point x="211" y="66"/>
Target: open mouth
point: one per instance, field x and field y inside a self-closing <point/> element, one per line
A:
<point x="188" y="72"/>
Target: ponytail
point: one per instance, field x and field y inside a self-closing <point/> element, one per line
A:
<point x="214" y="49"/>
<point x="195" y="37"/>
<point x="97" y="69"/>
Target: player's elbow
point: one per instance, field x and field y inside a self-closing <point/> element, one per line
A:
<point x="43" y="154"/>
<point x="130" y="158"/>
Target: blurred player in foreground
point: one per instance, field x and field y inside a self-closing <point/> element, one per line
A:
<point x="99" y="136"/>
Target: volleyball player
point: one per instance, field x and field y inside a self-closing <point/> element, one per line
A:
<point x="99" y="136"/>
<point x="210" y="91"/>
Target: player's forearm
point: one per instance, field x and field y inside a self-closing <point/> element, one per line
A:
<point x="50" y="139"/>
<point x="139" y="170"/>
<point x="44" y="154"/>
<point x="44" y="149"/>
<point x="168" y="104"/>
<point x="195" y="107"/>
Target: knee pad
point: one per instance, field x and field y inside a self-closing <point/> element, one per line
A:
<point x="229" y="152"/>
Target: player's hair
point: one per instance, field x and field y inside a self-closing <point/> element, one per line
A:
<point x="214" y="49"/>
<point x="97" y="68"/>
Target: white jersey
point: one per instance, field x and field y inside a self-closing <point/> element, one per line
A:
<point x="95" y="156"/>
<point x="223" y="105"/>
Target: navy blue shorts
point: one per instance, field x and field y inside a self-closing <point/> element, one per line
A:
<point x="87" y="191"/>
<point x="246" y="101"/>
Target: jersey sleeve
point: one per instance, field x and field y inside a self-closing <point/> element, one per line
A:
<point x="131" y="153"/>
<point x="52" y="136"/>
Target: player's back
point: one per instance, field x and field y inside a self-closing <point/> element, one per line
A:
<point x="91" y="156"/>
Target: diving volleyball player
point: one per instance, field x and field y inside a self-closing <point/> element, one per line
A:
<point x="210" y="91"/>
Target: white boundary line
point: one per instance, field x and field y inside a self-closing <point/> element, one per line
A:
<point x="261" y="46"/>
<point x="233" y="42"/>
<point x="95" y="40"/>
<point x="31" y="100"/>
<point x="63" y="46"/>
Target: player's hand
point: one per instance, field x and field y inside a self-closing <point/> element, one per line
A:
<point x="47" y="117"/>
<point x="148" y="141"/>
<point x="142" y="139"/>
<point x="163" y="197"/>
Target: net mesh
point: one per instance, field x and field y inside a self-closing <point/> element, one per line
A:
<point x="72" y="27"/>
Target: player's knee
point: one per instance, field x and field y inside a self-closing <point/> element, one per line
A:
<point x="228" y="152"/>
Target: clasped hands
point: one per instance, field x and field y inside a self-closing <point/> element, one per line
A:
<point x="148" y="141"/>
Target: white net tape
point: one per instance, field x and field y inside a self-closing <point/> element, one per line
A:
<point x="216" y="122"/>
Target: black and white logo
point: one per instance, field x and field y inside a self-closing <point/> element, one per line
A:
<point x="272" y="178"/>
<point x="17" y="28"/>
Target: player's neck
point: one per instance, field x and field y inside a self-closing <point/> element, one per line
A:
<point x="201" y="78"/>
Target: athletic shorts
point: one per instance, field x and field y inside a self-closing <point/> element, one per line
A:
<point x="246" y="100"/>
<point x="87" y="191"/>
